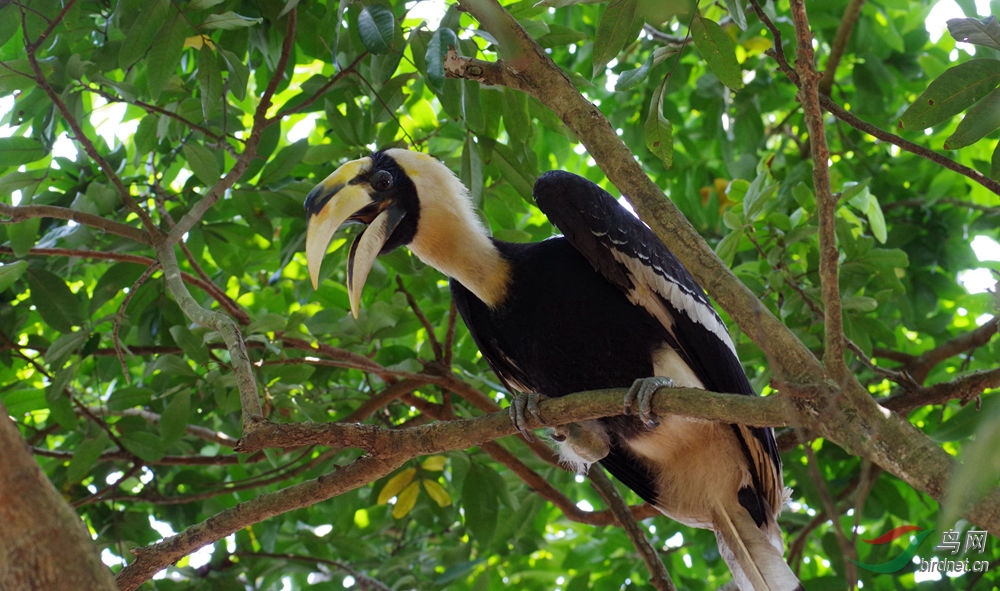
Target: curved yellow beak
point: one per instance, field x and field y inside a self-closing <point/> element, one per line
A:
<point x="336" y="200"/>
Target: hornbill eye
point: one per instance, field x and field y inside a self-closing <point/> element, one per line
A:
<point x="381" y="180"/>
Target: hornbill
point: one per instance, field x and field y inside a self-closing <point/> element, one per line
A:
<point x="603" y="306"/>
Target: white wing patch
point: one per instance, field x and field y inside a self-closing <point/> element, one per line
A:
<point x="649" y="281"/>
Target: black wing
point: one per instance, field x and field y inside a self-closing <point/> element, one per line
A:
<point x="627" y="253"/>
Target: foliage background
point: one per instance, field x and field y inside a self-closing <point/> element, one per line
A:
<point x="134" y="125"/>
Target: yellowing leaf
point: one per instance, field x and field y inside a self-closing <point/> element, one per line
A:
<point x="437" y="492"/>
<point x="434" y="463"/>
<point x="396" y="484"/>
<point x="406" y="500"/>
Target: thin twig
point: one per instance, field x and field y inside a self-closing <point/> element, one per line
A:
<point x="826" y="201"/>
<point x="839" y="45"/>
<point x="659" y="578"/>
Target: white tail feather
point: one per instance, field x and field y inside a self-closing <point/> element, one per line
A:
<point x="753" y="556"/>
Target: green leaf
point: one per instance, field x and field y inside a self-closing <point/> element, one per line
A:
<point x="175" y="417"/>
<point x="239" y="74"/>
<point x="144" y="444"/>
<point x="282" y="164"/>
<point x="129" y="397"/>
<point x="143" y="33"/>
<point x="860" y="303"/>
<point x="982" y="118"/>
<point x="165" y="55"/>
<point x="977" y="471"/>
<point x="59" y="307"/>
<point x="995" y="162"/>
<point x="719" y="51"/>
<point x="952" y="92"/>
<point x="984" y="32"/>
<point x="203" y="163"/>
<point x="146" y="138"/>
<point x="85" y="457"/>
<point x="209" y="82"/>
<point x="11" y="272"/>
<point x="117" y="278"/>
<point x="376" y="26"/>
<point x="205" y="4"/>
<point x="60" y="405"/>
<point x="23" y="236"/>
<point x="876" y="220"/>
<point x="727" y="248"/>
<point x="67" y="344"/>
<point x="192" y="345"/>
<point x="481" y="504"/>
<point x="23" y="401"/>
<point x="618" y="26"/>
<point x="437" y="51"/>
<point x="659" y="130"/>
<point x="228" y="21"/>
<point x="735" y="8"/>
<point x="629" y="79"/>
<point x="15" y="151"/>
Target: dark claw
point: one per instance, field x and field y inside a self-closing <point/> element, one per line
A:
<point x="520" y="407"/>
<point x="641" y="395"/>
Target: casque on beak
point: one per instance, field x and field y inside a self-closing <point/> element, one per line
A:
<point x="335" y="201"/>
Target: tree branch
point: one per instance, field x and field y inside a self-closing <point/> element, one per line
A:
<point x="19" y="213"/>
<point x="154" y="558"/>
<point x="829" y="256"/>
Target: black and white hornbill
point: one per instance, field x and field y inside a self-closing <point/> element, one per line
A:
<point x="600" y="307"/>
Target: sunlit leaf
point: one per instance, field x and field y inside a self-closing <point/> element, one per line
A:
<point x="15" y="151"/>
<point x="11" y="272"/>
<point x="437" y="492"/>
<point x="406" y="500"/>
<point x="376" y="25"/>
<point x="396" y="484"/>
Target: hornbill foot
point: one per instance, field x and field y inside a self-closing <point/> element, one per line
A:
<point x="640" y="396"/>
<point x="520" y="408"/>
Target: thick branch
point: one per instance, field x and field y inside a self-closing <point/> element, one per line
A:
<point x="463" y="433"/>
<point x="920" y="366"/>
<point x="964" y="389"/>
<point x="44" y="545"/>
<point x="155" y="558"/>
<point x="224" y="325"/>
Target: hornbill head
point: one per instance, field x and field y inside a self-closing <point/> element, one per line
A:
<point x="374" y="191"/>
<point x="405" y="198"/>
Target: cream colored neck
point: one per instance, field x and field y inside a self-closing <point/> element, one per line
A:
<point x="464" y="252"/>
